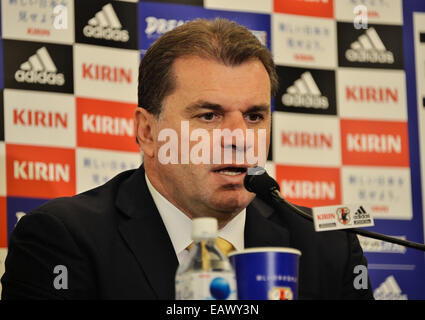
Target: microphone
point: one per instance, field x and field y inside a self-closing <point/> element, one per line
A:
<point x="258" y="181"/>
<point x="266" y="188"/>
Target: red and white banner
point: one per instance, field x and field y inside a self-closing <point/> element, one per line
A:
<point x="105" y="125"/>
<point x="309" y="186"/>
<point x="374" y="143"/>
<point x="40" y="172"/>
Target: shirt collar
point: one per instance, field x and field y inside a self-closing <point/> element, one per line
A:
<point x="179" y="225"/>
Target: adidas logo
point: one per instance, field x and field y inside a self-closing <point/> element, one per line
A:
<point x="361" y="216"/>
<point x="41" y="69"/>
<point x="369" y="48"/>
<point x="106" y="25"/>
<point x="360" y="211"/>
<point x="305" y="93"/>
<point x="389" y="290"/>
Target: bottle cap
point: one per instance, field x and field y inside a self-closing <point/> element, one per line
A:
<point x="204" y="228"/>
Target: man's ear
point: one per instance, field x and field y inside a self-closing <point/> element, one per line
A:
<point x="144" y="126"/>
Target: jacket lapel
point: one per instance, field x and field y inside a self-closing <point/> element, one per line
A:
<point x="260" y="230"/>
<point x="146" y="236"/>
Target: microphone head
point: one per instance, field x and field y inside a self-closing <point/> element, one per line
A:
<point x="258" y="181"/>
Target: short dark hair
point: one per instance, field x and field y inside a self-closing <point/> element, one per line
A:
<point x="222" y="40"/>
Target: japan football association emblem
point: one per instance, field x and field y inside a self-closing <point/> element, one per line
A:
<point x="343" y="215"/>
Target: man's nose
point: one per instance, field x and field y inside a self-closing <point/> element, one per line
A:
<point x="235" y="121"/>
<point x="236" y="128"/>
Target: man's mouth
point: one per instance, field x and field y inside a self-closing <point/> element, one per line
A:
<point x="231" y="171"/>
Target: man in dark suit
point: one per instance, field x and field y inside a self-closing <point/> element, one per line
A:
<point x="125" y="239"/>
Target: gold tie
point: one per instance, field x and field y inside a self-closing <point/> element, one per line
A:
<point x="225" y="247"/>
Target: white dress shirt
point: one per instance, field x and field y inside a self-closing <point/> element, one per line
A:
<point x="179" y="225"/>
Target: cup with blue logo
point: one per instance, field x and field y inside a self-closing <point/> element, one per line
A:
<point x="266" y="273"/>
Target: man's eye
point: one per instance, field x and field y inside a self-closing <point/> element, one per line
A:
<point x="254" y="117"/>
<point x="208" y="116"/>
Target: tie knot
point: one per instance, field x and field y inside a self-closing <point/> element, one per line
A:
<point x="225" y="246"/>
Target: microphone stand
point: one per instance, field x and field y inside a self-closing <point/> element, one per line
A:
<point x="281" y="202"/>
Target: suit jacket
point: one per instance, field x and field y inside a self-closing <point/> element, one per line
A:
<point x="114" y="245"/>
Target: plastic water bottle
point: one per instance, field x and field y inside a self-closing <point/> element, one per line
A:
<point x="206" y="274"/>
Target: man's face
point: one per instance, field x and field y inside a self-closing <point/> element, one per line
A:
<point x="209" y="95"/>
